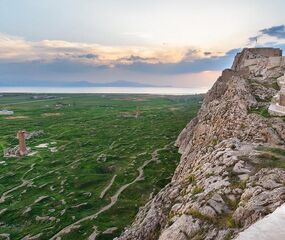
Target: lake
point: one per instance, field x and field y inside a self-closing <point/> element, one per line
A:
<point x="116" y="90"/>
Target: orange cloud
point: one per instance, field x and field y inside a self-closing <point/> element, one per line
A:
<point x="17" y="50"/>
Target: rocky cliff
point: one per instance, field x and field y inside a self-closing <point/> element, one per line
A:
<point x="231" y="172"/>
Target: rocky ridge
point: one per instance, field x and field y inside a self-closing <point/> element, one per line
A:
<point x="231" y="172"/>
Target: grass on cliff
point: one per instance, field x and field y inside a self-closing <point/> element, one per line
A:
<point x="271" y="157"/>
<point x="263" y="111"/>
<point x="96" y="137"/>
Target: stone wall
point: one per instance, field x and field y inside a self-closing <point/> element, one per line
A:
<point x="252" y="56"/>
<point x="266" y="52"/>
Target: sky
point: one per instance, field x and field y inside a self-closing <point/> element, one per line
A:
<point x="182" y="43"/>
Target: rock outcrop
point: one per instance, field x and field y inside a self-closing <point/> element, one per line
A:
<point x="277" y="106"/>
<point x="231" y="172"/>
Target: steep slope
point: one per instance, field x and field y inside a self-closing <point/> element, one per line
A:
<point x="231" y="172"/>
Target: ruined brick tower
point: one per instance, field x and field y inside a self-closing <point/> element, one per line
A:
<point x="22" y="143"/>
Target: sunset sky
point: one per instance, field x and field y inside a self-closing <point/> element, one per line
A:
<point x="181" y="43"/>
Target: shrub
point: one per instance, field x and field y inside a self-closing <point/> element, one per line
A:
<point x="191" y="179"/>
<point x="197" y="190"/>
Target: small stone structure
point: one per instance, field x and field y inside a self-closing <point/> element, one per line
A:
<point x="11" y="152"/>
<point x="22" y="143"/>
<point x="21" y="149"/>
<point x="30" y="135"/>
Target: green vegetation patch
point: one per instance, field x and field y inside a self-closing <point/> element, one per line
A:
<point x="271" y="157"/>
<point x="92" y="150"/>
<point x="263" y="111"/>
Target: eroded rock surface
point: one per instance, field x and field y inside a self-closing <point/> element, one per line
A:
<point x="231" y="172"/>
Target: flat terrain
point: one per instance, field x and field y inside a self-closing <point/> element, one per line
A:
<point x="99" y="159"/>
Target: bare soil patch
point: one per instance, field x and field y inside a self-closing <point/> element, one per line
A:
<point x="16" y="117"/>
<point x="51" y="114"/>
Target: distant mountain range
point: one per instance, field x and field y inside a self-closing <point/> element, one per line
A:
<point x="120" y="83"/>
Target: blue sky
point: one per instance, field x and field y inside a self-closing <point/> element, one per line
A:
<point x="181" y="43"/>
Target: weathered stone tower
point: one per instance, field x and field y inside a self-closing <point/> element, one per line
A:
<point x="22" y="143"/>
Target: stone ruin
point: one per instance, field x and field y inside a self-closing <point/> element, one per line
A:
<point x="256" y="56"/>
<point x="22" y="143"/>
<point x="22" y="149"/>
<point x="19" y="150"/>
<point x="33" y="134"/>
<point x="11" y="152"/>
<point x="257" y="60"/>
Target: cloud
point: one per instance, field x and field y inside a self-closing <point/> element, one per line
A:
<point x="207" y="53"/>
<point x="15" y="49"/>
<point x="186" y="65"/>
<point x="89" y="56"/>
<point x="61" y="60"/>
<point x="138" y="34"/>
<point x="253" y="39"/>
<point x="271" y="36"/>
<point x="59" y="57"/>
<point x="136" y="59"/>
<point x="195" y="73"/>
<point x="275" y="31"/>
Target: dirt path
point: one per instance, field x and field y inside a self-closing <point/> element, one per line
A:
<point x="114" y="198"/>
<point x="94" y="234"/>
<point x="5" y="194"/>
<point x="31" y="169"/>
<point x="24" y="183"/>
<point x="108" y="187"/>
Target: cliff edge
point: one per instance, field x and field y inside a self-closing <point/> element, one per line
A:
<point x="232" y="168"/>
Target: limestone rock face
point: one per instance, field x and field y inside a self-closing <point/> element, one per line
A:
<point x="231" y="172"/>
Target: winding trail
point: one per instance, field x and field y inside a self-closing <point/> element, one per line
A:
<point x="5" y="194"/>
<point x="94" y="234"/>
<point x="108" y="187"/>
<point x="31" y="169"/>
<point x="114" y="198"/>
<point x="24" y="183"/>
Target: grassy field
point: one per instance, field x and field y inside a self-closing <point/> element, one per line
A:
<point x="103" y="156"/>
